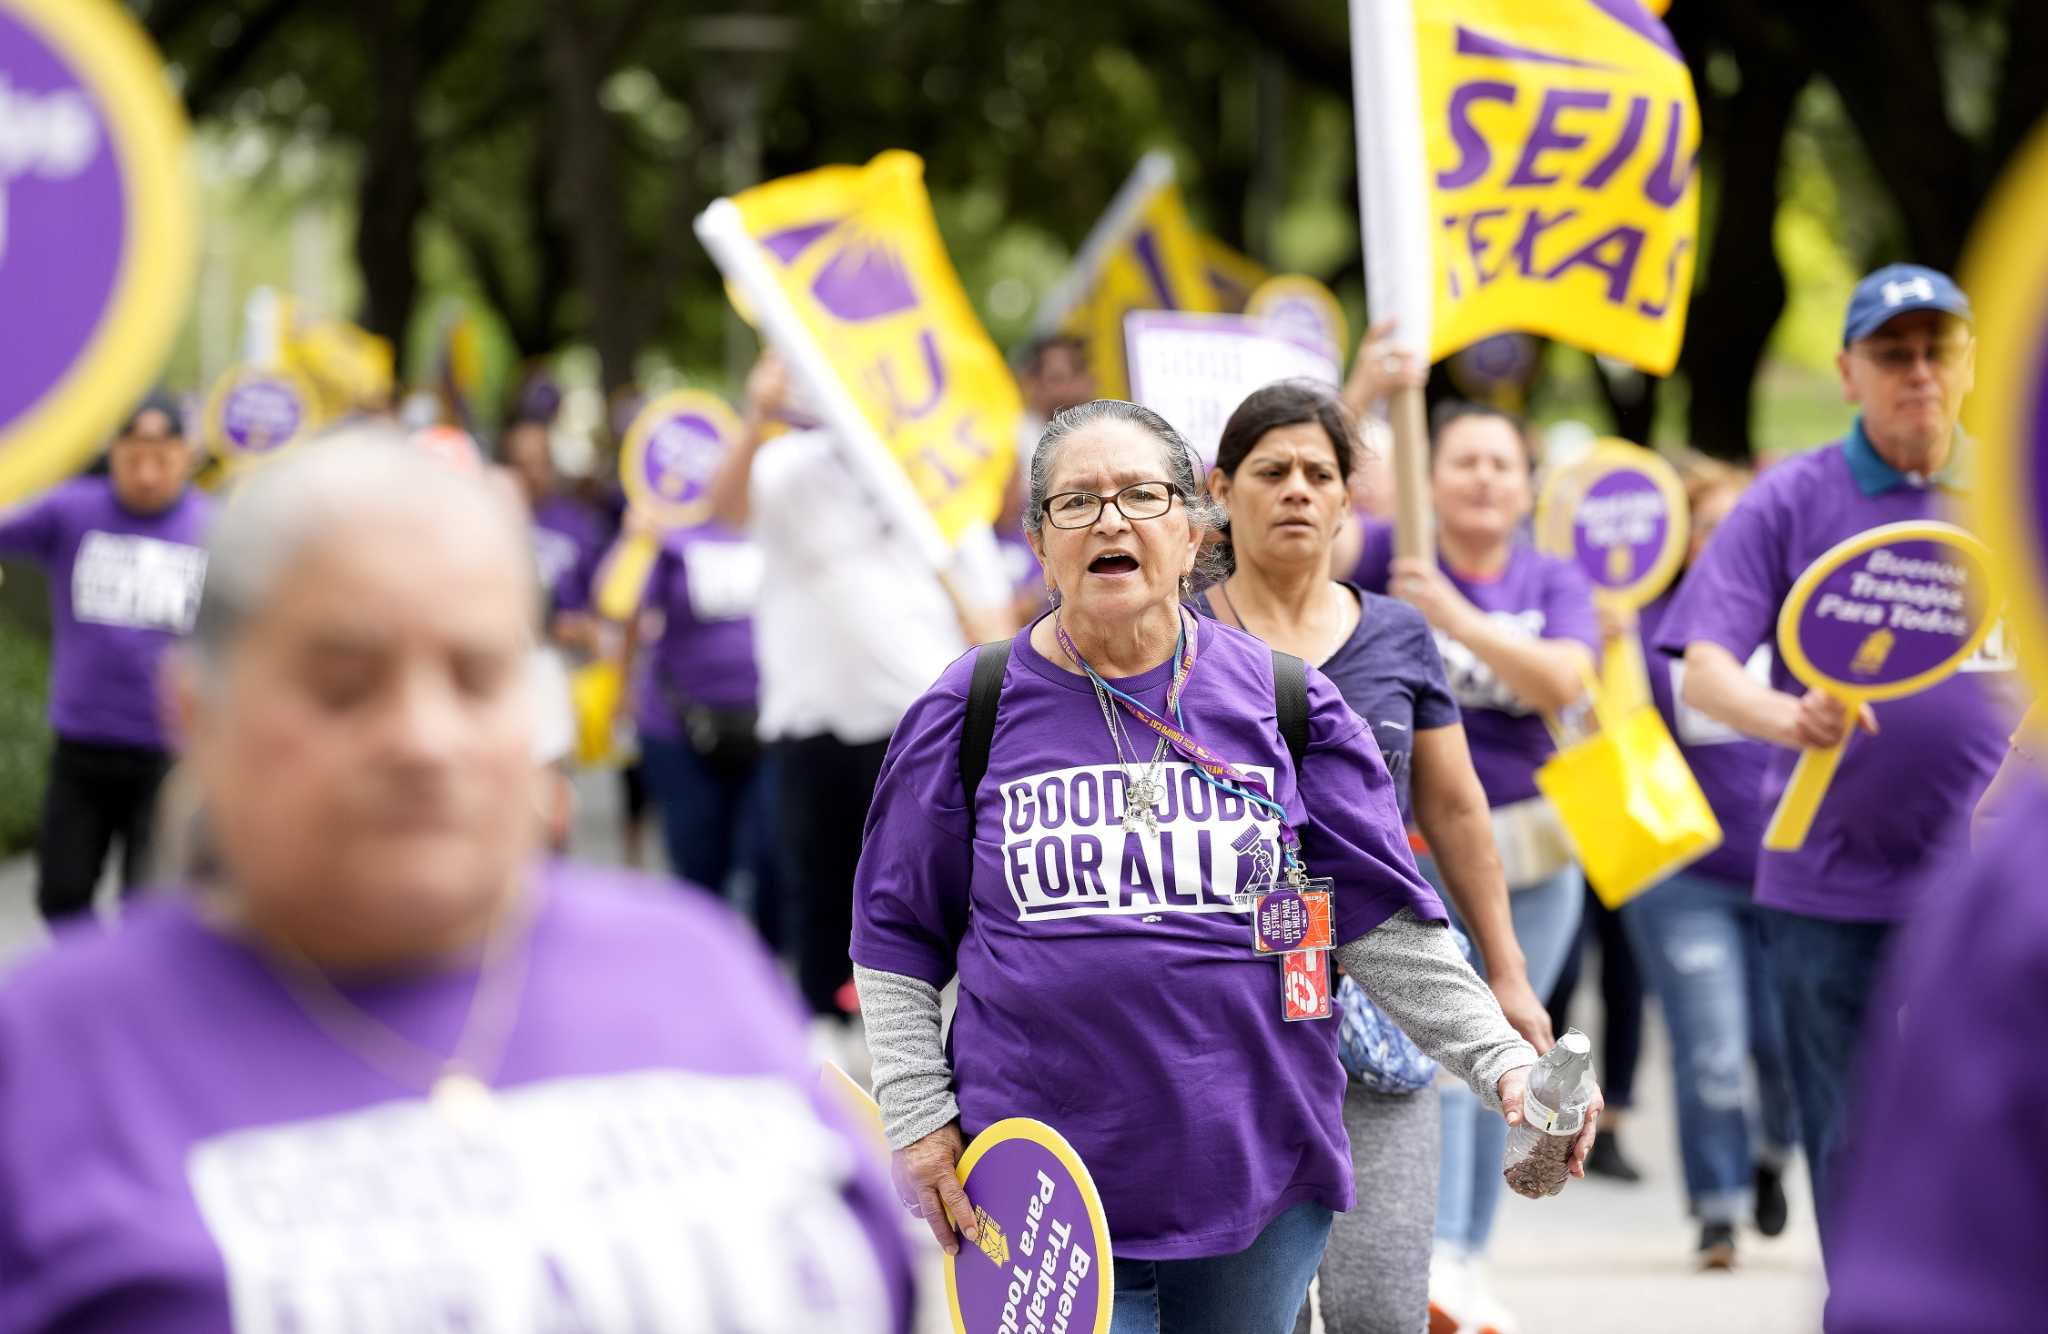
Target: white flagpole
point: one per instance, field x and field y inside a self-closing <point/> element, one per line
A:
<point x="739" y="257"/>
<point x="1153" y="173"/>
<point x="1400" y="265"/>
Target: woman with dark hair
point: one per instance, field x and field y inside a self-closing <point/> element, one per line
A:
<point x="1518" y="633"/>
<point x="1093" y="890"/>
<point x="1283" y="469"/>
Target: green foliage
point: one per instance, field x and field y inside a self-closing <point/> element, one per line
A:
<point x="24" y="734"/>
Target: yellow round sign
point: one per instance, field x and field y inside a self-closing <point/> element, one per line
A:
<point x="255" y="413"/>
<point x="672" y="451"/>
<point x="1619" y="513"/>
<point x="1042" y="1256"/>
<point x="1304" y="305"/>
<point x="98" y="231"/>
<point x="1884" y="614"/>
<point x="2006" y="272"/>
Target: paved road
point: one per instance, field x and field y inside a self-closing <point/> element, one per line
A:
<point x="1599" y="1259"/>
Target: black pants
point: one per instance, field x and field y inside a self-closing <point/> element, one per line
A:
<point x="1621" y="996"/>
<point x="97" y="794"/>
<point x="825" y="786"/>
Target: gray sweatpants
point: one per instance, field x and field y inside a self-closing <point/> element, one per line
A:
<point x="1375" y="1274"/>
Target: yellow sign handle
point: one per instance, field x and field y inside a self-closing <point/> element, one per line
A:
<point x="623" y="581"/>
<point x="1810" y="779"/>
<point x="1624" y="675"/>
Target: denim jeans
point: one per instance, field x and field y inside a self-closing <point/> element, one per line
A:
<point x="713" y="824"/>
<point x="1256" y="1291"/>
<point x="1825" y="973"/>
<point x="1699" y="941"/>
<point x="1546" y="918"/>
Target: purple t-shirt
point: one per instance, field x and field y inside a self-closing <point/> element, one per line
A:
<point x="123" y="589"/>
<point x="1108" y="985"/>
<point x="570" y="538"/>
<point x="1902" y="798"/>
<point x="704" y="585"/>
<point x="1940" y="1217"/>
<point x="1390" y="673"/>
<point x="178" y="1138"/>
<point x="1729" y="766"/>
<point x="1546" y="598"/>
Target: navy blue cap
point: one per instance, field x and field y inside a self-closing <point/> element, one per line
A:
<point x="1897" y="289"/>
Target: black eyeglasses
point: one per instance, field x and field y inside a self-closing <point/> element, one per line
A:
<point x="1080" y="509"/>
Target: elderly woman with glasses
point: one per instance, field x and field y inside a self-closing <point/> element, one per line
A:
<point x="1094" y="893"/>
<point x="379" y="1067"/>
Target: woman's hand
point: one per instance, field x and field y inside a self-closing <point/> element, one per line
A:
<point x="1524" y="1010"/>
<point x="929" y="1185"/>
<point x="767" y="387"/>
<point x="1380" y="368"/>
<point x="1514" y="1087"/>
<point x="1423" y="586"/>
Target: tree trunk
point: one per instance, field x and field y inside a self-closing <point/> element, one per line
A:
<point x="1739" y="291"/>
<point x="392" y="195"/>
<point x="588" y="201"/>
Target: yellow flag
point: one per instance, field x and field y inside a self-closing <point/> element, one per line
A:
<point x="1233" y="277"/>
<point x="857" y="253"/>
<point x="1561" y="144"/>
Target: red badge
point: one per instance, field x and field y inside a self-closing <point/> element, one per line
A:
<point x="1305" y="985"/>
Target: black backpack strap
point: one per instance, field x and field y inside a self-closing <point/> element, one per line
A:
<point x="983" y="692"/>
<point x="1290" y="703"/>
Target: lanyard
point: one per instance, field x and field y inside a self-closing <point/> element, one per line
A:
<point x="1215" y="770"/>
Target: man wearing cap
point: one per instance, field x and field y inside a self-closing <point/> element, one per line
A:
<point x="1900" y="804"/>
<point x="124" y="560"/>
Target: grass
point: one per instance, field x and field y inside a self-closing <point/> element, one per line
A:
<point x="24" y="733"/>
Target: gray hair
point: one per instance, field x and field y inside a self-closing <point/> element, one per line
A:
<point x="287" y="504"/>
<point x="1202" y="510"/>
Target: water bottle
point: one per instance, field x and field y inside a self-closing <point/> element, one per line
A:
<point x="1538" y="1155"/>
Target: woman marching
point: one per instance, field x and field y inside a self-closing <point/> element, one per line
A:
<point x="378" y="1067"/>
<point x="1518" y="632"/>
<point x="1092" y="893"/>
<point x="1283" y="472"/>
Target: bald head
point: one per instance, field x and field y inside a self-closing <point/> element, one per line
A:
<point x="361" y="484"/>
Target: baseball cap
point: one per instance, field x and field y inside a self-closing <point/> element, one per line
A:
<point x="154" y="401"/>
<point x="1896" y="289"/>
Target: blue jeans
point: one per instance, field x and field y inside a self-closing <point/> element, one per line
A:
<point x="714" y="824"/>
<point x="1256" y="1291"/>
<point x="1825" y="973"/>
<point x="1546" y="919"/>
<point x="1699" y="941"/>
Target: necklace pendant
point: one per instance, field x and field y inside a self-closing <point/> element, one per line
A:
<point x="463" y="1100"/>
<point x="1141" y="800"/>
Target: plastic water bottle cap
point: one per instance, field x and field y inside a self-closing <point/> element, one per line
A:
<point x="1575" y="1042"/>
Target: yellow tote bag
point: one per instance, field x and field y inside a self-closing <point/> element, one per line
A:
<point x="1628" y="801"/>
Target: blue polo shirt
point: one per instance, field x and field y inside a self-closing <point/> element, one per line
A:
<point x="1900" y="803"/>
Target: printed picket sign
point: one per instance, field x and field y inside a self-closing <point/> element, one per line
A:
<point x="1619" y="513"/>
<point x="671" y="452"/>
<point x="1885" y="614"/>
<point x="98" y="230"/>
<point x="1043" y="1256"/>
<point x="256" y="413"/>
<point x="1300" y="303"/>
<point x="1194" y="369"/>
<point x="866" y="1112"/>
<point x="2005" y="270"/>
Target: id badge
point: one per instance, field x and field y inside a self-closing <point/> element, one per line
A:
<point x="1305" y="985"/>
<point x="1292" y="919"/>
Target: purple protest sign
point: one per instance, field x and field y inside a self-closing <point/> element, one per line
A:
<point x="1042" y="1261"/>
<point x="97" y="230"/>
<point x="671" y="453"/>
<point x="1888" y="612"/>
<point x="257" y="413"/>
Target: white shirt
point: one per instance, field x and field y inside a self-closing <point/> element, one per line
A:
<point x="851" y="628"/>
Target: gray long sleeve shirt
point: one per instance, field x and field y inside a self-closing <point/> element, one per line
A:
<point x="1412" y="969"/>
